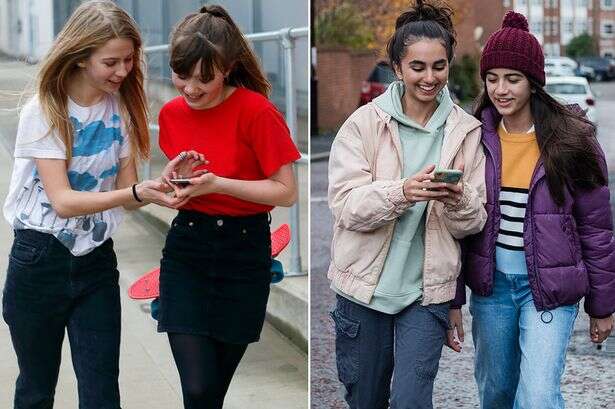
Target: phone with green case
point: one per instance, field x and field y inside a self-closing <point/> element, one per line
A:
<point x="447" y="176"/>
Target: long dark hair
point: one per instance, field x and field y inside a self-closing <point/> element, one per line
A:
<point x="213" y="37"/>
<point x="424" y="20"/>
<point x="566" y="139"/>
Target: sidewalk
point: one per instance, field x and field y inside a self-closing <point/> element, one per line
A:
<point x="273" y="374"/>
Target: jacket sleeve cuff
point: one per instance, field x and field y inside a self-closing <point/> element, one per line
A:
<point x="597" y="313"/>
<point x="396" y="196"/>
<point x="600" y="316"/>
<point x="463" y="202"/>
<point x="460" y="294"/>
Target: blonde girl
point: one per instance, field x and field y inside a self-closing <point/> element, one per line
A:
<point x="77" y="143"/>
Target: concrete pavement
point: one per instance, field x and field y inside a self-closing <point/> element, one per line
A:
<point x="273" y="374"/>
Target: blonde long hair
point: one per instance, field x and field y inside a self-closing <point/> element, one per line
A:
<point x="90" y="26"/>
<point x="212" y="36"/>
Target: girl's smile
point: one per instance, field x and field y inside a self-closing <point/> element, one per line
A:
<point x="199" y="94"/>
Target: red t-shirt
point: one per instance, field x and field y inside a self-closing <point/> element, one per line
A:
<point x="244" y="137"/>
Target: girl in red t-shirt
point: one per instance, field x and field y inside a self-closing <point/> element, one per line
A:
<point x="215" y="269"/>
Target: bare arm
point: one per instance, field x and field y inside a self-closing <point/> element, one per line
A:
<point x="278" y="190"/>
<point x="70" y="203"/>
<point x="126" y="177"/>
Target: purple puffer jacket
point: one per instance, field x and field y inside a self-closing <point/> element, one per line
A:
<point x="569" y="250"/>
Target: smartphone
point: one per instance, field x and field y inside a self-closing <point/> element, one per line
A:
<point x="447" y="176"/>
<point x="180" y="181"/>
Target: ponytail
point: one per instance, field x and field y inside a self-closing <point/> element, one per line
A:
<point x="212" y="37"/>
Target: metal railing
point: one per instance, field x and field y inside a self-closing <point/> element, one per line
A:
<point x="286" y="37"/>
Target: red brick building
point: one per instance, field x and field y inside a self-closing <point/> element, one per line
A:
<point x="553" y="22"/>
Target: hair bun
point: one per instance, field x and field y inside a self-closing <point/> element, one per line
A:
<point x="515" y="20"/>
<point x="215" y="11"/>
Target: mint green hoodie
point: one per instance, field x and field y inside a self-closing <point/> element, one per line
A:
<point x="401" y="280"/>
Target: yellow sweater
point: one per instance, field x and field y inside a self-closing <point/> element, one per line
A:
<point x="519" y="156"/>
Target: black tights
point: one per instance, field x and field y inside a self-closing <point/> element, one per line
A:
<point x="206" y="367"/>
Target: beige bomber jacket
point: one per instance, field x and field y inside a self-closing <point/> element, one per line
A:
<point x="366" y="198"/>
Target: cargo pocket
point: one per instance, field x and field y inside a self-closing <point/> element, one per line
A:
<point x="433" y="338"/>
<point x="346" y="348"/>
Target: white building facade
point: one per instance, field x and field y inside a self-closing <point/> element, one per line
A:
<point x="556" y="22"/>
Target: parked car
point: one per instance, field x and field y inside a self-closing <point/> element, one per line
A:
<point x="380" y="78"/>
<point x="573" y="90"/>
<point x="585" y="71"/>
<point x="560" y="64"/>
<point x="557" y="70"/>
<point x="602" y="66"/>
<point x="567" y="67"/>
<point x="377" y="82"/>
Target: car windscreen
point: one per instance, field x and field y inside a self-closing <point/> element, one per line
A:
<point x="568" y="89"/>
<point x="382" y="73"/>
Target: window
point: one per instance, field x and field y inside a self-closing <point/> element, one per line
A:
<point x="568" y="27"/>
<point x="607" y="29"/>
<point x="607" y="4"/>
<point x="537" y="2"/>
<point x="506" y="3"/>
<point x="537" y="27"/>
<point x="566" y="89"/>
<point x="551" y="50"/>
<point x="582" y="3"/>
<point x="522" y="3"/>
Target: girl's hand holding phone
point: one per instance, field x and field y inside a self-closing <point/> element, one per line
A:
<point x="182" y="166"/>
<point x="202" y="182"/>
<point x="421" y="188"/>
<point x="454" y="190"/>
<point x="153" y="191"/>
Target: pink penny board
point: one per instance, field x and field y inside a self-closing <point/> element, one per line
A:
<point x="147" y="286"/>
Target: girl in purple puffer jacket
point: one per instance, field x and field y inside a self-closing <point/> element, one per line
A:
<point x="548" y="240"/>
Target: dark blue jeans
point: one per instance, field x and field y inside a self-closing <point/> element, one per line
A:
<point x="389" y="359"/>
<point x="48" y="291"/>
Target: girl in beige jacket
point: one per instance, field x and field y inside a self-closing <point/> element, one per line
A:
<point x="395" y="256"/>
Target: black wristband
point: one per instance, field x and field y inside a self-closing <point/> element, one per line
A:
<point x="134" y="193"/>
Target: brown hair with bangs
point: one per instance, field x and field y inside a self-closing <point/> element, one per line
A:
<point x="212" y="37"/>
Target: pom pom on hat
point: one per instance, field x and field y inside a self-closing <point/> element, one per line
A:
<point x="515" y="20"/>
<point x="514" y="47"/>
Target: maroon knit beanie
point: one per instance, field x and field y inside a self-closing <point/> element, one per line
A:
<point x="514" y="47"/>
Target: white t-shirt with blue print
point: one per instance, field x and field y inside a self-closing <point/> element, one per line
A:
<point x="100" y="140"/>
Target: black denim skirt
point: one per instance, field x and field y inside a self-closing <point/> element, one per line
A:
<point x="215" y="276"/>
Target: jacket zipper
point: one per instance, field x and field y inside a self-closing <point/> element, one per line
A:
<point x="528" y="211"/>
<point x="455" y="151"/>
<point x="430" y="204"/>
<point x="497" y="215"/>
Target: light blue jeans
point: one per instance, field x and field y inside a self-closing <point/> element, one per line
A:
<point x="520" y="352"/>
